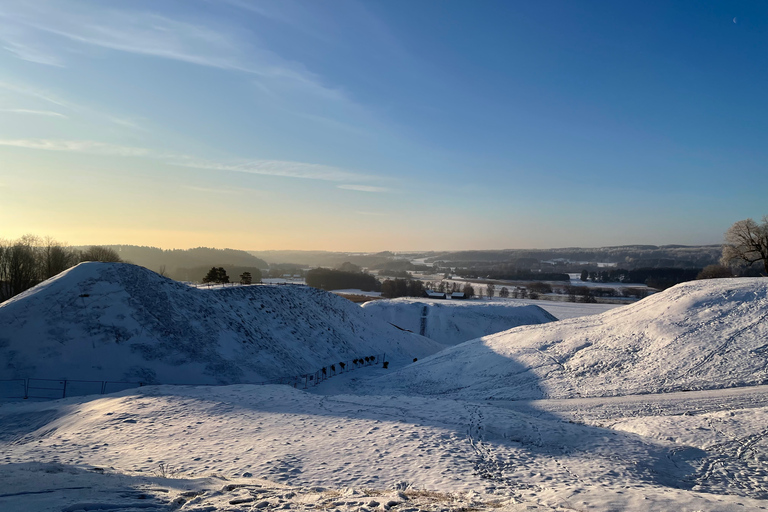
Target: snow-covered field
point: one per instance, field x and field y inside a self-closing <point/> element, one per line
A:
<point x="451" y="322"/>
<point x="587" y="414"/>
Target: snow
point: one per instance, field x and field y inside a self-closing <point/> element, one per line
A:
<point x="588" y="413"/>
<point x="219" y="445"/>
<point x="454" y="321"/>
<point x="697" y="335"/>
<point x="120" y="322"/>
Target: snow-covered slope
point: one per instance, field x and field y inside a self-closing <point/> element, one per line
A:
<point x="232" y="448"/>
<point x="699" y="335"/>
<point x="454" y="321"/>
<point x="115" y="321"/>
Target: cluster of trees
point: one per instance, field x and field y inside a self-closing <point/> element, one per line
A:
<point x="393" y="288"/>
<point x="194" y="274"/>
<point x="216" y="275"/>
<point x="510" y="273"/>
<point x="328" y="279"/>
<point x="659" y="278"/>
<point x="281" y="269"/>
<point x="30" y="260"/>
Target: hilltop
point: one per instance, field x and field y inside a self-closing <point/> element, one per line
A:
<point x="698" y="335"/>
<point x="122" y="322"/>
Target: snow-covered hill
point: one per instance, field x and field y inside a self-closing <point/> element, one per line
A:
<point x="454" y="321"/>
<point x="117" y="322"/>
<point x="698" y="335"/>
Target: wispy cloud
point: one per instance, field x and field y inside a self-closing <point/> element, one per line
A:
<point x="364" y="188"/>
<point x="144" y="33"/>
<point x="30" y="54"/>
<point x="212" y="190"/>
<point x="31" y="92"/>
<point x="282" y="168"/>
<point x="33" y="112"/>
<point x="77" y="146"/>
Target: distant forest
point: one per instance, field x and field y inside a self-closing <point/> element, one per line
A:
<point x="574" y="259"/>
<point x="191" y="264"/>
<point x="325" y="258"/>
<point x="327" y="279"/>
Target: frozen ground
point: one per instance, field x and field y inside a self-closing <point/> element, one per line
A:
<point x="698" y="335"/>
<point x="451" y="322"/>
<point x="424" y="437"/>
<point x="235" y="447"/>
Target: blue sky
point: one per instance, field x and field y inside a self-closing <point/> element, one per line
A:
<point x="392" y="125"/>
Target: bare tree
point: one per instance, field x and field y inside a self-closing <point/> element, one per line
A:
<point x="714" y="272"/>
<point x="504" y="292"/>
<point x="746" y="242"/>
<point x="490" y="289"/>
<point x="99" y="253"/>
<point x="55" y="258"/>
<point x="18" y="267"/>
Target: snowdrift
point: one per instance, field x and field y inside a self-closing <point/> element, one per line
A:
<point x="121" y="322"/>
<point x="699" y="335"/>
<point x="453" y="321"/>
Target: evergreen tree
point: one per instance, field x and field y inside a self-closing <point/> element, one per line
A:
<point x="216" y="275"/>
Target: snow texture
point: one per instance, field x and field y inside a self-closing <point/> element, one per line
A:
<point x="586" y="414"/>
<point x="236" y="447"/>
<point x="697" y="335"/>
<point x="121" y="322"/>
<point x="454" y="321"/>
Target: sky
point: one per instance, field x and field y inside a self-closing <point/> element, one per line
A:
<point x="382" y="125"/>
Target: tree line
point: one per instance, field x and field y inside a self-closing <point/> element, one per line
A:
<point x="510" y="273"/>
<point x="328" y="279"/>
<point x="30" y="260"/>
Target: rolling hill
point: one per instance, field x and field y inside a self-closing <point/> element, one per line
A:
<point x="699" y="335"/>
<point x="121" y="322"/>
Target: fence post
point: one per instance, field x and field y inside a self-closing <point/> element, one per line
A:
<point x="26" y="389"/>
<point x="64" y="390"/>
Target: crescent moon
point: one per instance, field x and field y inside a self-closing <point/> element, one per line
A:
<point x="734" y="20"/>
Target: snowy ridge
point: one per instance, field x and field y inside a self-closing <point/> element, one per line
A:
<point x="453" y="321"/>
<point x="699" y="335"/>
<point x="114" y="321"/>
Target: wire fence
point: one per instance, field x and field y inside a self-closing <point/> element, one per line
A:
<point x="53" y="389"/>
<point x="306" y="380"/>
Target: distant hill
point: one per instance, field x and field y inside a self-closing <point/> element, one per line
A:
<point x="121" y="322"/>
<point x="324" y="258"/>
<point x="190" y="264"/>
<point x="705" y="334"/>
<point x="625" y="256"/>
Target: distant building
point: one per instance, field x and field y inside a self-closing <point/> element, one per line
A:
<point x="431" y="294"/>
<point x="458" y="295"/>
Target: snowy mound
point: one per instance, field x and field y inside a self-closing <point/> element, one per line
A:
<point x="699" y="335"/>
<point x="454" y="321"/>
<point x="121" y="322"/>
